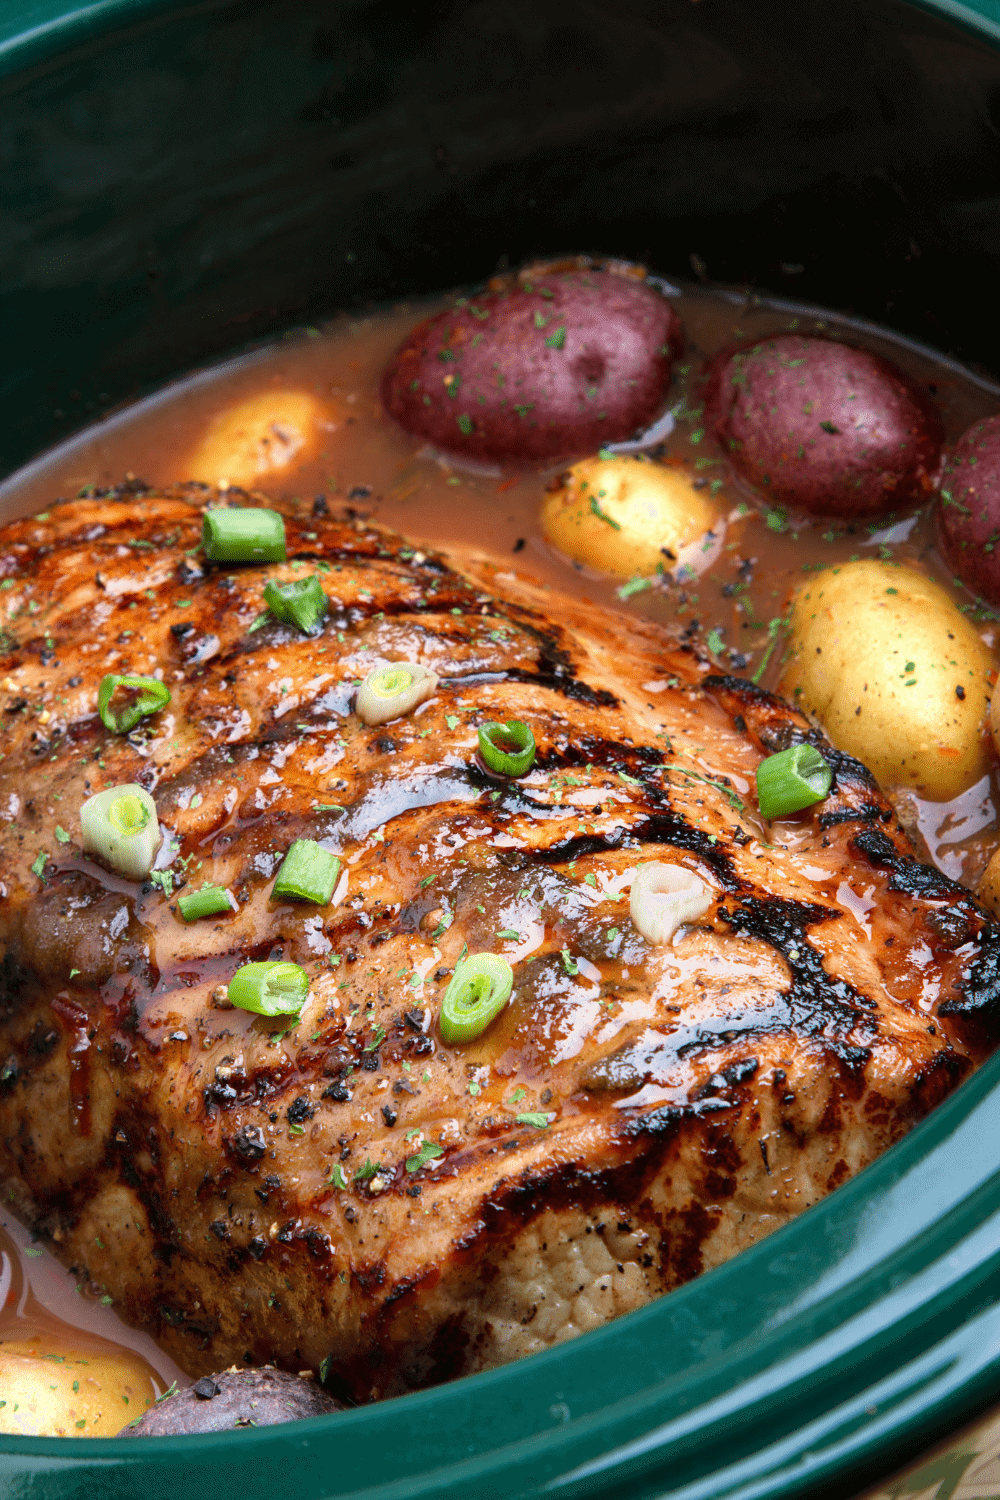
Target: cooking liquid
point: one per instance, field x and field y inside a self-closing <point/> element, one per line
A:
<point x="369" y="463"/>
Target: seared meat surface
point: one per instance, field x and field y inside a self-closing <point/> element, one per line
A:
<point x="352" y="1194"/>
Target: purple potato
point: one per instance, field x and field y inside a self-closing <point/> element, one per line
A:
<point x="554" y="367"/>
<point x="234" y="1398"/>
<point x="821" y="427"/>
<point x="968" y="508"/>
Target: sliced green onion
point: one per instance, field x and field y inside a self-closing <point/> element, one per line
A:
<point x="302" y="602"/>
<point x="479" y="990"/>
<point x="270" y="989"/>
<point x="664" y="897"/>
<point x="392" y="691"/>
<point x="150" y="697"/>
<point x="308" y="873"/>
<point x="508" y="749"/>
<point x="120" y="825"/>
<point x="207" y="902"/>
<point x="243" y="536"/>
<point x="791" y="780"/>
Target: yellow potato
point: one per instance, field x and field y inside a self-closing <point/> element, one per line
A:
<point x="989" y="886"/>
<point x="251" y="442"/>
<point x="629" y="515"/>
<point x="995" y="721"/>
<point x="895" y="674"/>
<point x="52" y="1388"/>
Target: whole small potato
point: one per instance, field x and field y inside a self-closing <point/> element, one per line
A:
<point x="895" y="674"/>
<point x="554" y="366"/>
<point x="254" y="440"/>
<point x="819" y="426"/>
<point x="968" y="509"/>
<point x="53" y="1388"/>
<point x="628" y="515"/>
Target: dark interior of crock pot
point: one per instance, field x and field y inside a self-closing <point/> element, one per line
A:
<point x="220" y="171"/>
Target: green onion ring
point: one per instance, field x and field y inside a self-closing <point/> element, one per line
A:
<point x="507" y="749"/>
<point x="269" y="989"/>
<point x="791" y="780"/>
<point x="302" y="602"/>
<point x="390" y="691"/>
<point x="664" y="897"/>
<point x="308" y="873"/>
<point x="479" y="990"/>
<point x="210" y="901"/>
<point x="120" y="825"/>
<point x="151" y="696"/>
<point x="243" y="536"/>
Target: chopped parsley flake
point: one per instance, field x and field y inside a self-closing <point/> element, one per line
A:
<point x="634" y="586"/>
<point x="428" y="1152"/>
<point x="602" y="515"/>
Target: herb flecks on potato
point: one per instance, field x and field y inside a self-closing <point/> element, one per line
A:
<point x="556" y="365"/>
<point x="968" y="509"/>
<point x="895" y="674"/>
<point x="818" y="426"/>
<point x="631" y="516"/>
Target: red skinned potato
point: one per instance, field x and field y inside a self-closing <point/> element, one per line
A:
<point x="968" y="509"/>
<point x="234" y="1398"/>
<point x="819" y="426"/>
<point x="555" y="366"/>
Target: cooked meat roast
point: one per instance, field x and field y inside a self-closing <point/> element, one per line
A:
<point x="348" y="1193"/>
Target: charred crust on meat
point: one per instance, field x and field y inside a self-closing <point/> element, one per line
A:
<point x="817" y="1004"/>
<point x="868" y="812"/>
<point x="907" y="874"/>
<point x="248" y="1145"/>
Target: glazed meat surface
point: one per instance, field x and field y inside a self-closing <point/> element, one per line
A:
<point x="351" y="1193"/>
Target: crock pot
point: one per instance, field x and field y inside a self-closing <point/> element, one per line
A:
<point x="177" y="180"/>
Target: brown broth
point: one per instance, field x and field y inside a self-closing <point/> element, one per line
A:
<point x="370" y="463"/>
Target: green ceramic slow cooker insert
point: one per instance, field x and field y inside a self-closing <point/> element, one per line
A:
<point x="180" y="180"/>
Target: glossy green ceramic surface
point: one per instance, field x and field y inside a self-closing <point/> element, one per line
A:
<point x="178" y="180"/>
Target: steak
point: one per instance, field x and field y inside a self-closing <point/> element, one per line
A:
<point x="347" y="1192"/>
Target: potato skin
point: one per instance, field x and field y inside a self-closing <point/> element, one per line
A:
<point x="628" y="516"/>
<point x="968" y="509"/>
<point x="555" y="366"/>
<point x="243" y="1398"/>
<point x="818" y="426"/>
<point x="895" y="674"/>
<point x="37" y="1376"/>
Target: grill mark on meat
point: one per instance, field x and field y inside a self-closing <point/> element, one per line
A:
<point x="907" y="874"/>
<point x="978" y="988"/>
<point x="866" y="813"/>
<point x="823" y="1002"/>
